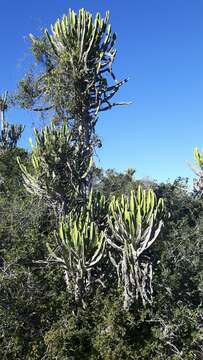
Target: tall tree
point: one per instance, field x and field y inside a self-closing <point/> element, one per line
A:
<point x="77" y="84"/>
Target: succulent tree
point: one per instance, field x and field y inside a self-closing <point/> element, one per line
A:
<point x="61" y="169"/>
<point x="135" y="225"/>
<point x="77" y="82"/>
<point x="10" y="134"/>
<point x="80" y="247"/>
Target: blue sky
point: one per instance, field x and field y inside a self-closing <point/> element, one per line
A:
<point x="160" y="48"/>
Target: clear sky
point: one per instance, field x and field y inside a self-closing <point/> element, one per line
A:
<point x="160" y="48"/>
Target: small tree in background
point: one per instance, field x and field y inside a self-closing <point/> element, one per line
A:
<point x="10" y="134"/>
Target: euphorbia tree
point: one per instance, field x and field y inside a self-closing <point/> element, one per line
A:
<point x="135" y="224"/>
<point x="77" y="81"/>
<point x="76" y="84"/>
<point x="61" y="169"/>
<point x="81" y="242"/>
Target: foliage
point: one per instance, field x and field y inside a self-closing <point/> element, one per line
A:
<point x="36" y="312"/>
<point x="111" y="182"/>
<point x="77" y="250"/>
